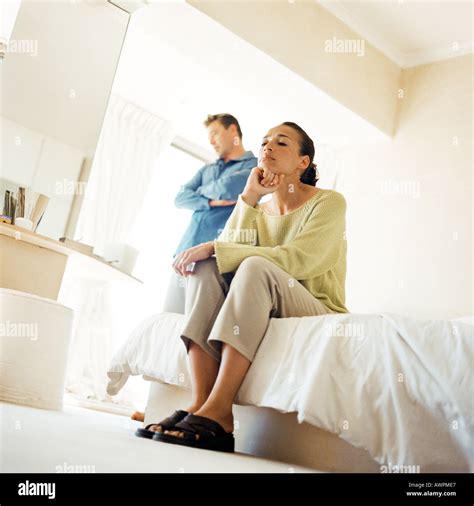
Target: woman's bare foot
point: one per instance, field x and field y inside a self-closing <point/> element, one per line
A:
<point x="195" y="406"/>
<point x="224" y="419"/>
<point x="138" y="416"/>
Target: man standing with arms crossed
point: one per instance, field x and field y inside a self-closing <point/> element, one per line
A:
<point x="211" y="194"/>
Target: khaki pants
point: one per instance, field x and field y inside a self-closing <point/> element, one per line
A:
<point x="236" y="309"/>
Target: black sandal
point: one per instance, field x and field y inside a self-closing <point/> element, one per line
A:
<point x="211" y="434"/>
<point x="166" y="424"/>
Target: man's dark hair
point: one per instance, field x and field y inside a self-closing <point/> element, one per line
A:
<point x="225" y="119"/>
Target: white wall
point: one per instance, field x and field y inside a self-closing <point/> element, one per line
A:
<point x="410" y="246"/>
<point x="41" y="164"/>
<point x="65" y="80"/>
<point x="299" y="36"/>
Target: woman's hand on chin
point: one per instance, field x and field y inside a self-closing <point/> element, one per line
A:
<point x="191" y="256"/>
<point x="261" y="182"/>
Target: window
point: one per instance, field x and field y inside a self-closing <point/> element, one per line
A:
<point x="160" y="225"/>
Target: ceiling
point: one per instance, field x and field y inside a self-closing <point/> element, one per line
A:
<point x="410" y="33"/>
<point x="181" y="65"/>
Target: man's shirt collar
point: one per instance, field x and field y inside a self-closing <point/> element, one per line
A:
<point x="246" y="156"/>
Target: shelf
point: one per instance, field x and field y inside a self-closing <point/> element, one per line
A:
<point x="92" y="262"/>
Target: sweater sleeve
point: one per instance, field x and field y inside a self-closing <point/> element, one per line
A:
<point x="241" y="225"/>
<point x="312" y="252"/>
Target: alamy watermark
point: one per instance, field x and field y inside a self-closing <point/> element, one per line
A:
<point x="239" y="235"/>
<point x="35" y="489"/>
<point x="75" y="468"/>
<point x="355" y="330"/>
<point x="22" y="46"/>
<point x="70" y="187"/>
<point x="398" y="469"/>
<point x="335" y="45"/>
<point x="16" y="329"/>
<point x="409" y="188"/>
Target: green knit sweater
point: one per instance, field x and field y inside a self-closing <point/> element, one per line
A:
<point x="308" y="243"/>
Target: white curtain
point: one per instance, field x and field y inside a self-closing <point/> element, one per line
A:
<point x="129" y="145"/>
<point x="107" y="308"/>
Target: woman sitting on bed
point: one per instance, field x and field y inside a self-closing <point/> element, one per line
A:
<point x="285" y="258"/>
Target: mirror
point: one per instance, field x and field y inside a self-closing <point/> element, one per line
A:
<point x="55" y="81"/>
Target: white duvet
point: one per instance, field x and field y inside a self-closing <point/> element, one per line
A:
<point x="400" y="388"/>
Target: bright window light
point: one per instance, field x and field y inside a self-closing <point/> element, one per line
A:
<point x="160" y="225"/>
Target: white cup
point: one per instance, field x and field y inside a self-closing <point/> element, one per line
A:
<point x="24" y="223"/>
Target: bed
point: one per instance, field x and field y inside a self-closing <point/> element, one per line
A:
<point x="338" y="392"/>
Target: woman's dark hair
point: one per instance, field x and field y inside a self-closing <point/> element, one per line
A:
<point x="309" y="176"/>
<point x="224" y="119"/>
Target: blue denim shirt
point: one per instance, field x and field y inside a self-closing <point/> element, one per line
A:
<point x="216" y="181"/>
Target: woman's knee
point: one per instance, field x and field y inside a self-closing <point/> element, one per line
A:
<point x="205" y="267"/>
<point x="253" y="267"/>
